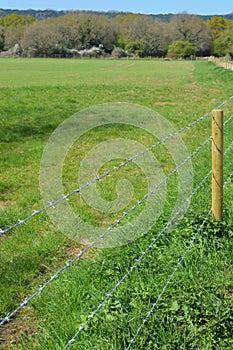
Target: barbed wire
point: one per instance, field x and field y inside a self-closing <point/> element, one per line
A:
<point x="110" y="294"/>
<point x="8" y="317"/>
<point x="137" y="262"/>
<point x="168" y="281"/>
<point x="173" y="273"/>
<point x="52" y="204"/>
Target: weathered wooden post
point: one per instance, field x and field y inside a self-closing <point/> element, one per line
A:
<point x="217" y="164"/>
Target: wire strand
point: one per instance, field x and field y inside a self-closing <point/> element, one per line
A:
<point x="52" y="204"/>
<point x="145" y="320"/>
<point x="137" y="262"/>
<point x="8" y="317"/>
<point x="228" y="120"/>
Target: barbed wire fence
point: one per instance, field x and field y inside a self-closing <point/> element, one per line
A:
<point x="10" y="315"/>
<point x="110" y="228"/>
<point x="138" y="261"/>
<point x="52" y="204"/>
<point x="150" y="312"/>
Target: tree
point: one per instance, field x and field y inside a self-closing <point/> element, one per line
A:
<point x="97" y="34"/>
<point x="217" y="25"/>
<point x="131" y="28"/>
<point x="85" y="31"/>
<point x="14" y="20"/>
<point x="14" y="27"/>
<point x="180" y="49"/>
<point x="152" y="36"/>
<point x="121" y="41"/>
<point x="76" y="32"/>
<point x="223" y="45"/>
<point x="12" y="36"/>
<point x="192" y="29"/>
<point x="156" y="40"/>
<point x="41" y="38"/>
<point x="134" y="47"/>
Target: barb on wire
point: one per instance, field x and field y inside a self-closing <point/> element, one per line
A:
<point x="107" y="173"/>
<point x="173" y="273"/>
<point x="137" y="262"/>
<point x="110" y="228"/>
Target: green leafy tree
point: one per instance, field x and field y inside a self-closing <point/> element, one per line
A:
<point x="223" y="45"/>
<point x="14" y="20"/>
<point x="121" y="41"/>
<point x="134" y="47"/>
<point x="181" y="49"/>
<point x="217" y="25"/>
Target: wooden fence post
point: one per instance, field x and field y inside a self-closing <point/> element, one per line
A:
<point x="217" y="164"/>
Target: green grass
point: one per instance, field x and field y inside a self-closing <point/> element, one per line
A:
<point x="43" y="72"/>
<point x="196" y="312"/>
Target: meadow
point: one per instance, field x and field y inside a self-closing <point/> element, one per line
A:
<point x="196" y="311"/>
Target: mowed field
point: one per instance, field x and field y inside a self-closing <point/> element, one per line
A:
<point x="196" y="311"/>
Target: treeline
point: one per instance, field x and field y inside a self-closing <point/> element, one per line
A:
<point x="93" y="35"/>
<point x="49" y="13"/>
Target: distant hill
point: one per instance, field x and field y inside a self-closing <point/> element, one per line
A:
<point x="37" y="14"/>
<point x="48" y="13"/>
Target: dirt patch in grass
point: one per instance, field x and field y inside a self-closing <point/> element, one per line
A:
<point x="24" y="325"/>
<point x="6" y="204"/>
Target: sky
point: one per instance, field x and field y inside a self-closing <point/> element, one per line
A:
<point x="202" y="7"/>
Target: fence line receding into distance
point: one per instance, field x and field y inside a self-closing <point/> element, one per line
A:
<point x="52" y="204"/>
<point x="10" y="315"/>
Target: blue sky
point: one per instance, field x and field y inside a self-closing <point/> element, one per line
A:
<point x="202" y="7"/>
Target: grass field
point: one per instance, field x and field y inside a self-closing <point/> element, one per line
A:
<point x="196" y="312"/>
